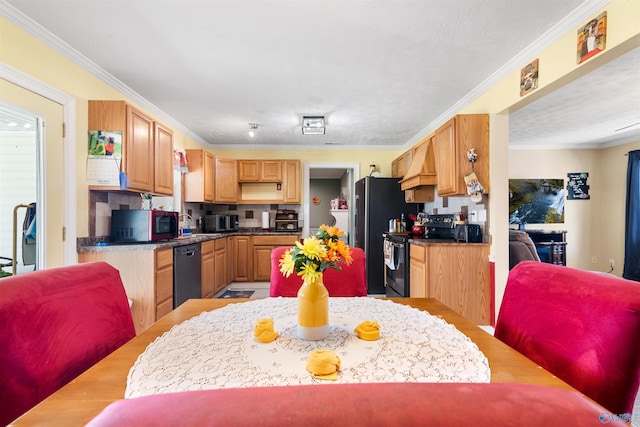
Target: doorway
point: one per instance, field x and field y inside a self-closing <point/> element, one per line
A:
<point x="19" y="189"/>
<point x="349" y="173"/>
<point x="45" y="186"/>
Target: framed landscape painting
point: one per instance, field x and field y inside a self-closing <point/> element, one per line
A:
<point x="536" y="201"/>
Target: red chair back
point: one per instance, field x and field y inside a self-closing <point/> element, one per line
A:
<point x="351" y="281"/>
<point x="582" y="326"/>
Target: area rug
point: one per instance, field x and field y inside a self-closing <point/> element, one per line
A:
<point x="236" y="294"/>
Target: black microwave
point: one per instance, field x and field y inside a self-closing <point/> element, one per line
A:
<point x="143" y="225"/>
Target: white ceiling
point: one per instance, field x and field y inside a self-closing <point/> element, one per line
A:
<point x="383" y="73"/>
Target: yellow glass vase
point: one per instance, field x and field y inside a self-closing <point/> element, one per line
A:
<point x="313" y="311"/>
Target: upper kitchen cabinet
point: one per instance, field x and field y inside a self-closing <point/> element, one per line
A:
<point x="147" y="146"/>
<point x="198" y="182"/>
<point x="451" y="142"/>
<point x="292" y="181"/>
<point x="259" y="170"/>
<point x="226" y="180"/>
<point x="163" y="163"/>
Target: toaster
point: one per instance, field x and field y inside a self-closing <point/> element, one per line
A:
<point x="469" y="233"/>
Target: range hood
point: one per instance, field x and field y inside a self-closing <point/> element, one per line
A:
<point x="422" y="170"/>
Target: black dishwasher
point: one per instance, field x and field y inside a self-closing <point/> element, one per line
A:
<point x="187" y="273"/>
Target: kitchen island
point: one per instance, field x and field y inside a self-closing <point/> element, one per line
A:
<point x="456" y="273"/>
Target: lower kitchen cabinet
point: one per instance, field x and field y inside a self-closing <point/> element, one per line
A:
<point x="417" y="271"/>
<point x="262" y="247"/>
<point x="457" y="274"/>
<point x="220" y="261"/>
<point x="208" y="268"/>
<point x="147" y="276"/>
<point x="242" y="271"/>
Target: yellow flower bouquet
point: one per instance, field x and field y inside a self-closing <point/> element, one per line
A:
<point x="317" y="253"/>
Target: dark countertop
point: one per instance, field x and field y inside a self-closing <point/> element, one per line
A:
<point x="427" y="242"/>
<point x="92" y="244"/>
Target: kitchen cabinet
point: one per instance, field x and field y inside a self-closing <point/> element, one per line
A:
<point x="230" y="257"/>
<point x="147" y="276"/>
<point x="242" y="265"/>
<point x="260" y="170"/>
<point x="292" y="182"/>
<point x="163" y="159"/>
<point x="208" y="268"/>
<point x="226" y="180"/>
<point x="400" y="165"/>
<point x="418" y="271"/>
<point x="422" y="194"/>
<point x="220" y="270"/>
<point x="198" y="182"/>
<point x="457" y="274"/>
<point x="147" y="146"/>
<point x="262" y="247"/>
<point x="451" y="142"/>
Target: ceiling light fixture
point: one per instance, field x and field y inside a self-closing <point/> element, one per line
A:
<point x="313" y="125"/>
<point x="253" y="127"/>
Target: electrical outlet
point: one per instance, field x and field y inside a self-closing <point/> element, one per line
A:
<point x="594" y="260"/>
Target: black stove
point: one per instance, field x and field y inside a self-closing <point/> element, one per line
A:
<point x="440" y="226"/>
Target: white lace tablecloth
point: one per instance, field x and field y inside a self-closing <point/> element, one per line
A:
<point x="217" y="349"/>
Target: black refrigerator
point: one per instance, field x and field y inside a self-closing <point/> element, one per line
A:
<point x="377" y="201"/>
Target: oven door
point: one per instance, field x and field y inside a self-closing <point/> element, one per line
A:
<point x="396" y="267"/>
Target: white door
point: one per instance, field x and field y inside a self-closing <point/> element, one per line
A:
<point x="47" y="177"/>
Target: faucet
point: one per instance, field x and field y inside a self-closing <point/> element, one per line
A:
<point x="186" y="230"/>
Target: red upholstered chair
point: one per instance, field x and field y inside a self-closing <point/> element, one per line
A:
<point x="582" y="326"/>
<point x="55" y="324"/>
<point x="350" y="282"/>
<point x="379" y="404"/>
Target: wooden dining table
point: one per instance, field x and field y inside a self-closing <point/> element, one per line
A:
<point x="84" y="397"/>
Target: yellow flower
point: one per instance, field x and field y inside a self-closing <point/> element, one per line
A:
<point x="310" y="272"/>
<point x="287" y="264"/>
<point x="313" y="248"/>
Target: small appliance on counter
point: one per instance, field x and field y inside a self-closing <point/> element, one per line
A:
<point x="143" y="225"/>
<point x="440" y="226"/>
<point x="469" y="233"/>
<point x="286" y="220"/>
<point x="220" y="223"/>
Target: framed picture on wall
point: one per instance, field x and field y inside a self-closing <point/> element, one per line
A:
<point x="592" y="38"/>
<point x="536" y="201"/>
<point x="529" y="78"/>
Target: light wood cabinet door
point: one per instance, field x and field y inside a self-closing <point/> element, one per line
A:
<point x="292" y="181"/>
<point x="394" y="169"/>
<point x="138" y="147"/>
<point x="417" y="272"/>
<point x="446" y="166"/>
<point x="163" y="160"/>
<point x="248" y="170"/>
<point x="458" y="276"/>
<point x="198" y="182"/>
<point x="262" y="263"/>
<point x="208" y="269"/>
<point x="271" y="171"/>
<point x="242" y="265"/>
<point x="221" y="264"/>
<point x="226" y="180"/>
<point x="230" y="257"/>
<point x="163" y="282"/>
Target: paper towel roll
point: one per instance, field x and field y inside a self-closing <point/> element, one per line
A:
<point x="265" y="220"/>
